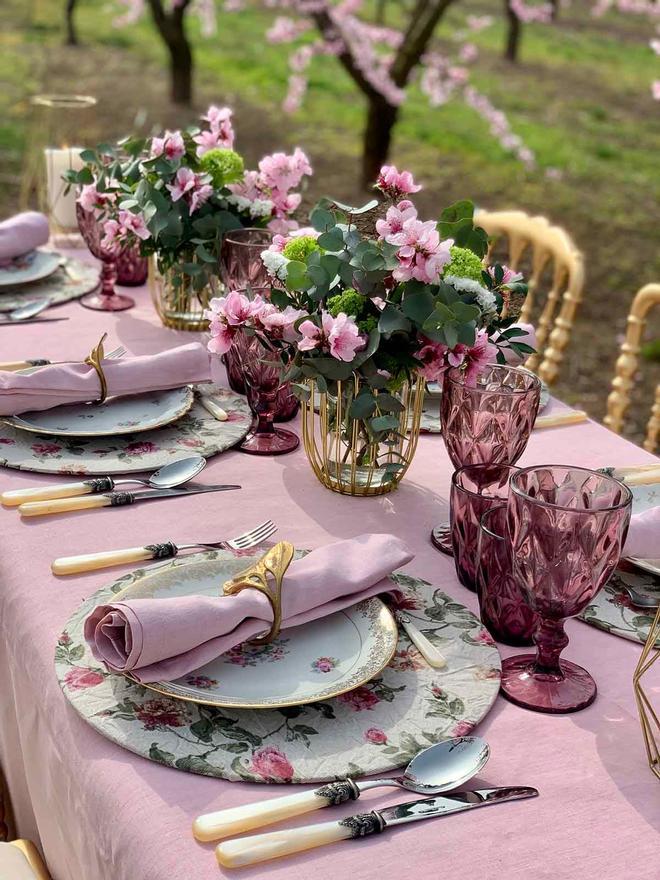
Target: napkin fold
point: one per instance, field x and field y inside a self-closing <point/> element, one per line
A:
<point x="22" y="233"/>
<point x="163" y="639"/>
<point x="643" y="539"/>
<point x="78" y="383"/>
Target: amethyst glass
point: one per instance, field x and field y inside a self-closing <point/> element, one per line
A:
<point x="503" y="605"/>
<point x="107" y="299"/>
<point x="490" y="422"/>
<point x="261" y="370"/>
<point x="132" y="269"/>
<point x="240" y="258"/>
<point x="567" y="527"/>
<point x="287" y="404"/>
<point x="475" y="488"/>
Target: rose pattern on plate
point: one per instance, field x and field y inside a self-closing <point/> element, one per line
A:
<point x="375" y="728"/>
<point x="201" y="681"/>
<point x="252" y="655"/>
<point x="324" y="664"/>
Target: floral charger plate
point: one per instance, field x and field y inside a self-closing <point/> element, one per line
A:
<point x="132" y="414"/>
<point x="612" y="609"/>
<point x="33" y="266"/>
<point x="197" y="431"/>
<point x="64" y="284"/>
<point x="373" y="728"/>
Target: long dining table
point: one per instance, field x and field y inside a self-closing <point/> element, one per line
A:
<point x="98" y="812"/>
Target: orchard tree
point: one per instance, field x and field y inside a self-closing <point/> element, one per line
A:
<point x="69" y="20"/>
<point x="170" y="20"/>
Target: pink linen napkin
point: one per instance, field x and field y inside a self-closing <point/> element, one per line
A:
<point x="22" y="233"/>
<point x="163" y="639"/>
<point x="78" y="383"/>
<point x="643" y="539"/>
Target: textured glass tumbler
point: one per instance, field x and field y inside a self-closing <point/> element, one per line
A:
<point x="132" y="269"/>
<point x="107" y="299"/>
<point x="503" y="605"/>
<point x="261" y="370"/>
<point x="489" y="423"/>
<point x="475" y="488"/>
<point x="567" y="527"/>
<point x="240" y="258"/>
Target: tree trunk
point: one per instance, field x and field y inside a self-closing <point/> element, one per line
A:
<point x="71" y="35"/>
<point x="513" y="34"/>
<point x="181" y="71"/>
<point x="381" y="118"/>
<point x="555" y="9"/>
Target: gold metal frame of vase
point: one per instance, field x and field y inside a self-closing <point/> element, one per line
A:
<point x="334" y="459"/>
<point x="648" y="713"/>
<point x="180" y="309"/>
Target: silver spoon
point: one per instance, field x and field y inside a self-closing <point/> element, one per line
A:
<point x="441" y="767"/>
<point x="641" y="600"/>
<point x="29" y="310"/>
<point x="170" y="475"/>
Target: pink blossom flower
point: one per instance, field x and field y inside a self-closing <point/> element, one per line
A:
<point x="284" y="172"/>
<point x="311" y="336"/>
<point x="271" y="764"/>
<point x="394" y="183"/>
<point x="91" y="199"/>
<point x="509" y="277"/>
<point x="213" y="139"/>
<point x="360" y="698"/>
<point x="468" y="53"/>
<point x="112" y="234"/>
<point x="79" y="677"/>
<point x="222" y="338"/>
<point x="279" y="324"/>
<point x="217" y="116"/>
<point x="193" y="187"/>
<point x="376" y="736"/>
<point x="134" y="223"/>
<point x="339" y="335"/>
<point x="395" y="219"/>
<point x="478" y="356"/>
<point x="235" y="308"/>
<point x="462" y="728"/>
<point x="655" y="89"/>
<point x="171" y="145"/>
<point x="202" y="194"/>
<point x="421" y="253"/>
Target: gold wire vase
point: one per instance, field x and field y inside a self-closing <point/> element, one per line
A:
<point x="178" y="303"/>
<point x="648" y="713"/>
<point x="341" y="450"/>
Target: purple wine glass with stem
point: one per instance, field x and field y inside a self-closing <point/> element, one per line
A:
<point x="567" y="527"/>
<point x="261" y="366"/>
<point x="240" y="257"/>
<point x="106" y="299"/>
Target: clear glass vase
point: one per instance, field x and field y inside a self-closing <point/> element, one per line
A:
<point x="180" y="304"/>
<point x="345" y="454"/>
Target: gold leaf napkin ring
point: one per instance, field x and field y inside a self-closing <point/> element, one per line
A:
<point x="275" y="562"/>
<point x="95" y="359"/>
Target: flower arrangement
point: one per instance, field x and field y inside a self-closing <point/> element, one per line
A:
<point x="359" y="309"/>
<point x="177" y="194"/>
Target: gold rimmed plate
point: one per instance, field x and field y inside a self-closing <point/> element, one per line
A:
<point x="118" y="415"/>
<point x="305" y="664"/>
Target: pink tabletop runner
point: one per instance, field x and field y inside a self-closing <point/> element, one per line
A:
<point x="104" y="814"/>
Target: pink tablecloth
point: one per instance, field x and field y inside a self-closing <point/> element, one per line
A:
<point x="101" y="813"/>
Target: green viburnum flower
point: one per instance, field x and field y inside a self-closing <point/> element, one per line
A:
<point x="224" y="166"/>
<point x="368" y="325"/>
<point x="300" y="248"/>
<point x="350" y="302"/>
<point x="463" y="264"/>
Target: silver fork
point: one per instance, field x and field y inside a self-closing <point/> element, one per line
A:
<point x="114" y="355"/>
<point x="165" y="550"/>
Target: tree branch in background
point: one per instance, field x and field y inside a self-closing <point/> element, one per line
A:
<point x="171" y="26"/>
<point x="514" y="27"/>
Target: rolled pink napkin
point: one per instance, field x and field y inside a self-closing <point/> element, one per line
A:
<point x="78" y="383"/>
<point x="21" y="234"/>
<point x="643" y="539"/>
<point x="163" y="639"/>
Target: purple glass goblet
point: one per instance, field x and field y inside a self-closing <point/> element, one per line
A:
<point x="240" y="258"/>
<point x="567" y="527"/>
<point x="132" y="269"/>
<point x="490" y="422"/>
<point x="475" y="488"/>
<point x="261" y="368"/>
<point x="503" y="605"/>
<point x="287" y="404"/>
<point x="107" y="299"/>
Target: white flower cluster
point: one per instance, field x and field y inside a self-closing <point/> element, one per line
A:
<point x="485" y="297"/>
<point x="254" y="207"/>
<point x="275" y="264"/>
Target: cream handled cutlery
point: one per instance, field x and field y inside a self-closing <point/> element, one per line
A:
<point x="164" y="550"/>
<point x="558" y="420"/>
<point x="170" y="475"/>
<point x="112" y="499"/>
<point x="262" y="847"/>
<point x="637" y="475"/>
<point x="441" y="767"/>
<point x="425" y="647"/>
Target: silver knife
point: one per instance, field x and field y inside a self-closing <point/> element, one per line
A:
<point x="261" y="847"/>
<point x="30" y="321"/>
<point x="112" y="499"/>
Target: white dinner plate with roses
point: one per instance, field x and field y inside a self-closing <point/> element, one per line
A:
<point x="33" y="266"/>
<point x="373" y="728"/>
<point x="196" y="431"/>
<point x="132" y="414"/>
<point x="315" y="661"/>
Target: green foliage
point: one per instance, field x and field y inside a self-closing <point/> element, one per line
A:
<point x="224" y="166"/>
